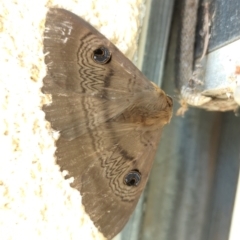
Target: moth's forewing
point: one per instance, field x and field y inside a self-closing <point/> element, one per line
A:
<point x="109" y="117"/>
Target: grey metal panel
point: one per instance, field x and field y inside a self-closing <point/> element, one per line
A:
<point x="157" y="40"/>
<point x="192" y="185"/>
<point x="226" y="23"/>
<point x="191" y="190"/>
<point x="186" y="189"/>
<point x="186" y="196"/>
<point x="225" y="177"/>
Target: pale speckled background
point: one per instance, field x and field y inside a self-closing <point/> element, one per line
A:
<point x="35" y="200"/>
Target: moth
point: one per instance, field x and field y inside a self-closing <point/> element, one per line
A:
<point x="108" y="114"/>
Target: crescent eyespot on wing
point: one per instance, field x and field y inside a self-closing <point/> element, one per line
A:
<point x="108" y="114"/>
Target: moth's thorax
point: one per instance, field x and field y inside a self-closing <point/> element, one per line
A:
<point x="150" y="108"/>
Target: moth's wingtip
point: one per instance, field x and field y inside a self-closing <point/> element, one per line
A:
<point x="57" y="10"/>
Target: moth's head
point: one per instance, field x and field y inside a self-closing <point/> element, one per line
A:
<point x="163" y="107"/>
<point x="169" y="101"/>
<point x="165" y="114"/>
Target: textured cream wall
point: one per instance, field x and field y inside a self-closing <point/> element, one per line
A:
<point x="35" y="200"/>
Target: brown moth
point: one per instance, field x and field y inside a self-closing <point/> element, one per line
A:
<point x="108" y="114"/>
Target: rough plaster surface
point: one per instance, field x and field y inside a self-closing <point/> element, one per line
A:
<point x="36" y="202"/>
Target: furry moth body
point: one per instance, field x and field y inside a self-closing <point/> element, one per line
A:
<point x="108" y="114"/>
